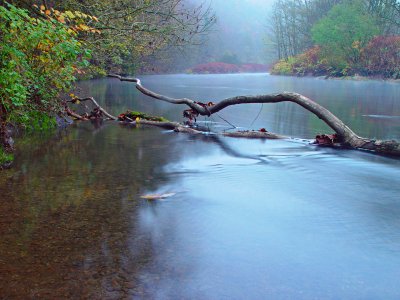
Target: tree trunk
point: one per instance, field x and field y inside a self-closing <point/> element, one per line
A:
<point x="345" y="136"/>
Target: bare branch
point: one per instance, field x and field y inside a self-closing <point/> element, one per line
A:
<point x="82" y="118"/>
<point x="344" y="134"/>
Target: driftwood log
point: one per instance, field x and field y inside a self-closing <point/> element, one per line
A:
<point x="97" y="112"/>
<point x="345" y="136"/>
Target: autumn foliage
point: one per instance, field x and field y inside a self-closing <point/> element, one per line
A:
<point x="382" y="56"/>
<point x="39" y="58"/>
<point x="308" y="63"/>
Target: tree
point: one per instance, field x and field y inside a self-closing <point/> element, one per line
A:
<point x="39" y="58"/>
<point x="291" y="23"/>
<point x="132" y="30"/>
<point x="343" y="33"/>
<point x="292" y="20"/>
<point x="387" y="13"/>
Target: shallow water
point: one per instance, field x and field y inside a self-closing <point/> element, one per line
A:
<point x="276" y="219"/>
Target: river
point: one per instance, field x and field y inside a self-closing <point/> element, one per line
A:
<point x="246" y="219"/>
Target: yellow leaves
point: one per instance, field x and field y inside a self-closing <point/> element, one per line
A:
<point x="356" y="45"/>
<point x="71" y="31"/>
<point x="75" y="98"/>
<point x="44" y="60"/>
<point x="69" y="14"/>
<point x="61" y="19"/>
<point x="75" y="21"/>
<point x="43" y="47"/>
<point x="93" y="30"/>
<point x="84" y="27"/>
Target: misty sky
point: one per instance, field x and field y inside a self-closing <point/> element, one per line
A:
<point x="242" y="27"/>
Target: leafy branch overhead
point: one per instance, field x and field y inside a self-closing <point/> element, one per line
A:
<point x="76" y="21"/>
<point x="130" y="31"/>
<point x="40" y="57"/>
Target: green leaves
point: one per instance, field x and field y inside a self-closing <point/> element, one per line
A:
<point x="39" y="58"/>
<point x="344" y="32"/>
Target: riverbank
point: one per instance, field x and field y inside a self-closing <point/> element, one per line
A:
<point x="6" y="159"/>
<point x="364" y="78"/>
<point x="352" y="77"/>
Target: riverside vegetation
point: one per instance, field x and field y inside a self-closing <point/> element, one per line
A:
<point x="337" y="38"/>
<point x="43" y="50"/>
<point x="39" y="57"/>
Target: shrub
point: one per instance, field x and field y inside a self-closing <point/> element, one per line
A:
<point x="283" y="67"/>
<point x="382" y="56"/>
<point x="38" y="60"/>
<point x="311" y="62"/>
<point x="307" y="63"/>
<point x="5" y="158"/>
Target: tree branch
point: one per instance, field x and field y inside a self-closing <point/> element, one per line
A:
<point x="75" y="115"/>
<point x="344" y="134"/>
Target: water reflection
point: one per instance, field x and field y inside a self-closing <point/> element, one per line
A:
<point x="67" y="210"/>
<point x="250" y="219"/>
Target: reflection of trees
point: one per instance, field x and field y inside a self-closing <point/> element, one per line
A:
<point x="69" y="211"/>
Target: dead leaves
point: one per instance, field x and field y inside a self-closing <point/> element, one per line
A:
<point x="326" y="139"/>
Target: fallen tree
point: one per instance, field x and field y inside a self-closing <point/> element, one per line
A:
<point x="343" y="137"/>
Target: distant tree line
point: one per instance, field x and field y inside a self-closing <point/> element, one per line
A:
<point x="337" y="37"/>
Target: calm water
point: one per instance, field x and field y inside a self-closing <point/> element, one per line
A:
<point x="277" y="219"/>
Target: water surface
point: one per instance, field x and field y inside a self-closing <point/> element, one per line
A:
<point x="250" y="219"/>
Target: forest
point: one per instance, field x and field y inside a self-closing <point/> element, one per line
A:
<point x="337" y="38"/>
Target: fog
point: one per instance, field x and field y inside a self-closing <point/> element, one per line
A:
<point x="240" y="32"/>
